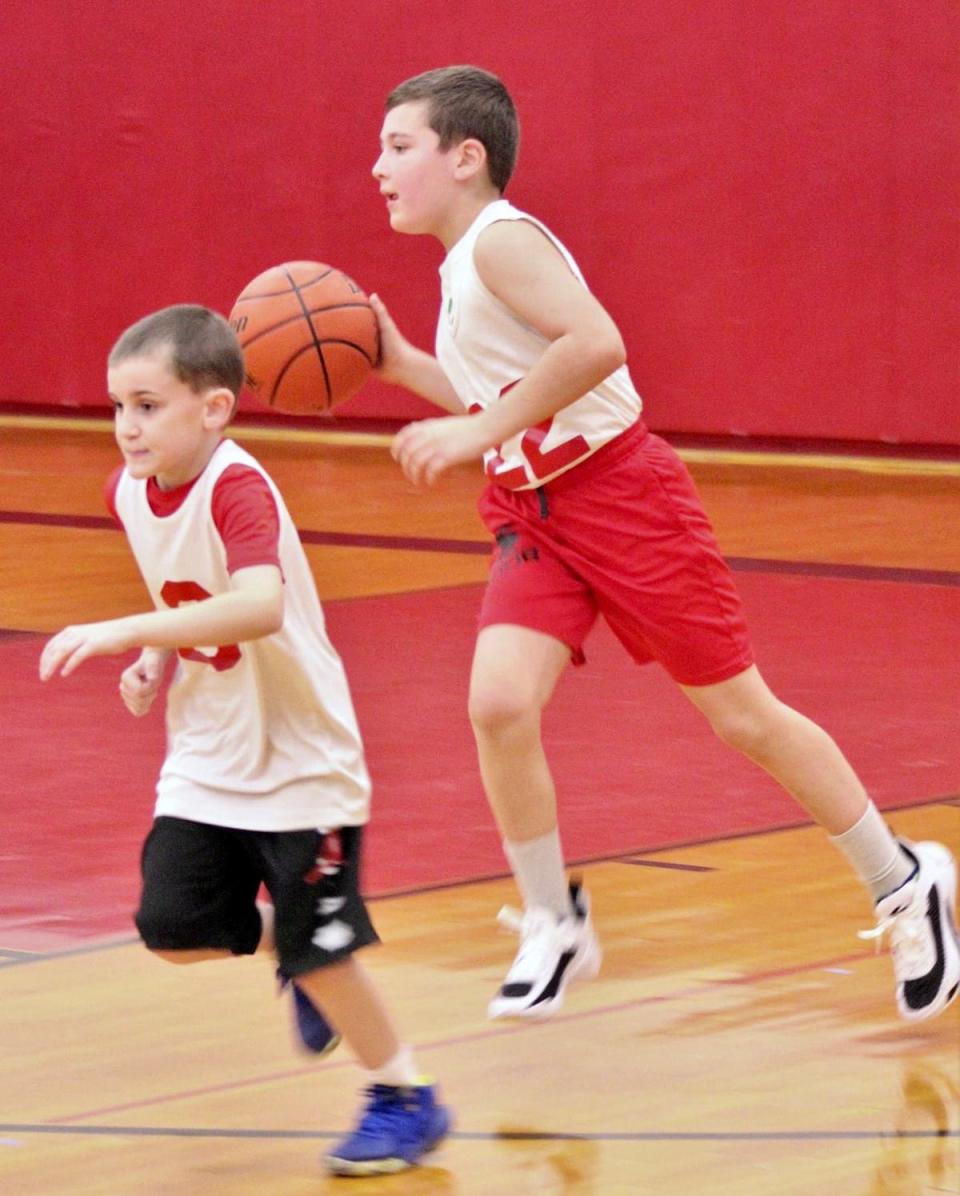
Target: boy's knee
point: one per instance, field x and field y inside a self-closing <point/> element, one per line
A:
<point x="746" y="731"/>
<point x="494" y="708"/>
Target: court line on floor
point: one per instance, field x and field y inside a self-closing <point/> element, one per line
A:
<point x="154" y="1131"/>
<point x="634" y="856"/>
<point x="638" y="854"/>
<point x="488" y="1033"/>
<point x="741" y="564"/>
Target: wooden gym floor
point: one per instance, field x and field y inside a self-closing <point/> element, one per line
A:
<point x="740" y="1039"/>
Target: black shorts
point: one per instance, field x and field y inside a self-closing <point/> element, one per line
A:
<point x="200" y="885"/>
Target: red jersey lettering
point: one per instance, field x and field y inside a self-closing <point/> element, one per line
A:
<point x="542" y="464"/>
<point x="179" y="593"/>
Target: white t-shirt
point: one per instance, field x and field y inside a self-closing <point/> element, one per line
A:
<point x="484" y="349"/>
<point x="260" y="735"/>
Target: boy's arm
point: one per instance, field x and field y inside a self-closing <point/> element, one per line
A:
<point x="528" y="274"/>
<point x="404" y="364"/>
<point x="251" y="608"/>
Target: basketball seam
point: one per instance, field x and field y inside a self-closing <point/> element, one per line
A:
<point x="273" y="294"/>
<point x="312" y="311"/>
<point x="287" y="365"/>
<point x="316" y="344"/>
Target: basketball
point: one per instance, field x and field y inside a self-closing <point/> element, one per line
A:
<point x="309" y="337"/>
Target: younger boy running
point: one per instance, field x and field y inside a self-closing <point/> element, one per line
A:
<point x="264" y="779"/>
<point x="591" y="514"/>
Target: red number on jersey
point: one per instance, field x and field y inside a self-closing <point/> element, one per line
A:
<point x="177" y="593"/>
<point x="541" y="464"/>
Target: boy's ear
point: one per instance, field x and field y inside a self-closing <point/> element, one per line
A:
<point x="471" y="157"/>
<point x="219" y="405"/>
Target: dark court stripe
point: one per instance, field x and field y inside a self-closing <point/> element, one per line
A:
<point x="156" y="1131"/>
<point x="665" y="864"/>
<point x="740" y="564"/>
<point x="920" y="577"/>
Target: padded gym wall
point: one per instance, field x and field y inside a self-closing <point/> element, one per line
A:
<point x="764" y="196"/>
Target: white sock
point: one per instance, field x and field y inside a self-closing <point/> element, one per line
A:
<point x="876" y="856"/>
<point x="538" y="869"/>
<point x="398" y="1072"/>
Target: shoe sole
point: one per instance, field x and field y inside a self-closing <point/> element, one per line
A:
<point x="584" y="967"/>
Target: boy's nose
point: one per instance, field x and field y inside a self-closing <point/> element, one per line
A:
<point x="126" y="426"/>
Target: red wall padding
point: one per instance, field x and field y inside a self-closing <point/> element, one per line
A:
<point x="764" y="195"/>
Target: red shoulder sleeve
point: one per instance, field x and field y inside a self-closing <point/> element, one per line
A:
<point x="110" y="494"/>
<point x="246" y="516"/>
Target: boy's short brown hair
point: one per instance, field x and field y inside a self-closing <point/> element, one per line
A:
<point x="204" y="350"/>
<point x="467" y="101"/>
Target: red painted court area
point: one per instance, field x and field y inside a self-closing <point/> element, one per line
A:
<point x="637" y="769"/>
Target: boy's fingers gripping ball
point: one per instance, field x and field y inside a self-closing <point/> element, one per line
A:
<point x="308" y="334"/>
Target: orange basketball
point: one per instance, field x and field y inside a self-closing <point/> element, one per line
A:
<point x="308" y="334"/>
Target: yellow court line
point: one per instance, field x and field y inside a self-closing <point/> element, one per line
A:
<point x="59" y="423"/>
<point x="907" y="466"/>
<point x="881" y="465"/>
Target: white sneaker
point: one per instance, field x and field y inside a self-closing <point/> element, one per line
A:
<point x="921" y="919"/>
<point x="553" y="952"/>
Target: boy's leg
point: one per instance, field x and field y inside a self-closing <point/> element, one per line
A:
<point x="797" y="753"/>
<point x="515" y="671"/>
<point x="348" y="997"/>
<point x="320" y="921"/>
<point x="914" y="886"/>
<point x="313" y="1030"/>
<point x="198" y="904"/>
<point x="402" y="1119"/>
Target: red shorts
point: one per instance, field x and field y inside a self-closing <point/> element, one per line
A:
<point x="623" y="535"/>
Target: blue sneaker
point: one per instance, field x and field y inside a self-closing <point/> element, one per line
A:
<point x="314" y="1031"/>
<point x="397" y="1127"/>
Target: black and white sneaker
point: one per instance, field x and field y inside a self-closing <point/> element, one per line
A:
<point x="553" y="952"/>
<point x="921" y="919"/>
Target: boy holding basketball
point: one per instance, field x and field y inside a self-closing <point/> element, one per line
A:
<point x="591" y="513"/>
<point x="264" y="779"/>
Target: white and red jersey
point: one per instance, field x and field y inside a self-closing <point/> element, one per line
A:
<point x="260" y="735"/>
<point x="485" y="349"/>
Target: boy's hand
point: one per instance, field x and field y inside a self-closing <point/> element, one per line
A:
<point x="70" y="648"/>
<point x="140" y="683"/>
<point x="429" y="447"/>
<point x="393" y="344"/>
<point x="403" y="364"/>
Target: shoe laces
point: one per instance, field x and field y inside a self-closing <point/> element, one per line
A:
<point x="512" y="919"/>
<point x="908" y="938"/>
<point x="387" y="1106"/>
<point x="539" y="931"/>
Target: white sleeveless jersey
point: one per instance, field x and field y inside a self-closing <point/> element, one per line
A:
<point x="260" y="735"/>
<point x="485" y="349"/>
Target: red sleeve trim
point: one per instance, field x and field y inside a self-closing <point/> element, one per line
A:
<point x="246" y="516"/>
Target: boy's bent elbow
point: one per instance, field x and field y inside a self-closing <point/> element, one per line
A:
<point x="610" y="351"/>
<point x="618" y="354"/>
